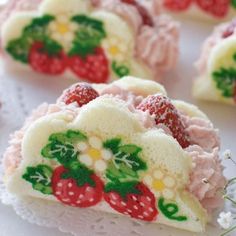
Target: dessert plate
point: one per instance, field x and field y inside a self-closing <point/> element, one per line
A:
<point x="19" y="95"/>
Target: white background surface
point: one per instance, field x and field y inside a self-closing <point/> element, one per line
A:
<point x="25" y="92"/>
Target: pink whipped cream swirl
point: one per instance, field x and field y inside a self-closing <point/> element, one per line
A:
<point x="201" y="133"/>
<point x="206" y="166"/>
<point x="126" y="11"/>
<point x="204" y="151"/>
<point x="156" y="45"/>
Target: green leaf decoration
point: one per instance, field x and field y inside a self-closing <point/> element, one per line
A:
<point x="120" y="70"/>
<point x="81" y="174"/>
<point x="225" y="81"/>
<point x="75" y="136"/>
<point x="123" y="189"/>
<point x="127" y="171"/>
<point x="65" y="153"/>
<point x="126" y="161"/>
<point x="113" y="173"/>
<point x="36" y="31"/>
<point x="88" y="37"/>
<point x="40" y="178"/>
<point x="112" y="144"/>
<point x="59" y="137"/>
<point x="123" y="172"/>
<point x="37" y="28"/>
<point x="61" y="147"/>
<point x="233" y="3"/>
<point x="234" y="57"/>
<point x="51" y="47"/>
<point x="170" y="210"/>
<point x="70" y="136"/>
<point x="19" y="48"/>
<point x="129" y="155"/>
<point x="131" y="149"/>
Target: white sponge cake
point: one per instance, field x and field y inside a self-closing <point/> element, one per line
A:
<point x="120" y="148"/>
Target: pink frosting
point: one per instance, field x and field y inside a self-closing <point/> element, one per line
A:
<point x="158" y="46"/>
<point x="12" y="156"/>
<point x="206" y="165"/>
<point x="204" y="150"/>
<point x="201" y="133"/>
<point x="126" y="11"/>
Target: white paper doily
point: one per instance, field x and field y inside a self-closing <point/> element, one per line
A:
<point x="86" y="222"/>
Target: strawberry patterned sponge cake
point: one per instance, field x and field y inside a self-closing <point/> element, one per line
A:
<point x="213" y="10"/>
<point x="90" y="40"/>
<point x="123" y="148"/>
<point x="216" y="66"/>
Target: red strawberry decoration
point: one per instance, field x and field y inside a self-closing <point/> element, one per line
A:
<point x="79" y="187"/>
<point x="132" y="198"/>
<point x="147" y="20"/>
<point x="166" y="113"/>
<point x="218" y="8"/>
<point x="93" y="67"/>
<point x="44" y="62"/>
<point x="81" y="93"/>
<point x="177" y="5"/>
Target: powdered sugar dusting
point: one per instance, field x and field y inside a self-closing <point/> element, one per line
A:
<point x="165" y="113"/>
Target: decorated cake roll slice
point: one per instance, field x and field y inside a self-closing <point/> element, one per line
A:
<point x="217" y="66"/>
<point x="91" y="40"/>
<point x="124" y="148"/>
<point x="214" y="10"/>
